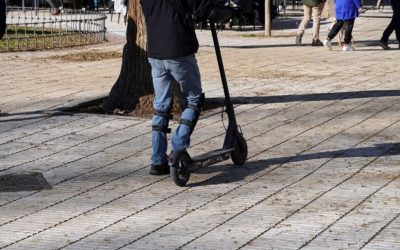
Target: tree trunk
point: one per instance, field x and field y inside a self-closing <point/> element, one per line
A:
<point x="132" y="92"/>
<point x="268" y="18"/>
<point x="329" y="9"/>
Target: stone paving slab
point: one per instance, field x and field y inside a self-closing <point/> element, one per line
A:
<point x="321" y="126"/>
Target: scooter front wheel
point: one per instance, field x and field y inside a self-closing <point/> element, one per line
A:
<point x="239" y="153"/>
<point x="180" y="173"/>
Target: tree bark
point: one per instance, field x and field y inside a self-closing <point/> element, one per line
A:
<point x="268" y="18"/>
<point x="133" y="91"/>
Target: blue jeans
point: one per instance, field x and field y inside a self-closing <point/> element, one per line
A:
<point x="186" y="72"/>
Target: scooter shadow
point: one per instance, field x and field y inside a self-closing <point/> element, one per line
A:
<point x="230" y="173"/>
<point x="306" y="97"/>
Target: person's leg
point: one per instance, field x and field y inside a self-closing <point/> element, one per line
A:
<point x="388" y="31"/>
<point x="332" y="33"/>
<point x="396" y="17"/>
<point x="186" y="72"/>
<point x="303" y="25"/>
<point x="55" y="6"/>
<point x="348" y="31"/>
<point x="341" y="35"/>
<point x="335" y="29"/>
<point x="162" y="107"/>
<point x="317" y="19"/>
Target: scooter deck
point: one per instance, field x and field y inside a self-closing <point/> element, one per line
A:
<point x="210" y="158"/>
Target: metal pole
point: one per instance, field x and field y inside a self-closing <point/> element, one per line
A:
<point x="36" y="7"/>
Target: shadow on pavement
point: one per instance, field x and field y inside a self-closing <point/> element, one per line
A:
<point x="34" y="115"/>
<point x="23" y="182"/>
<point x="231" y="174"/>
<point x="307" y="97"/>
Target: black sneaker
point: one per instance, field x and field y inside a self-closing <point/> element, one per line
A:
<point x="384" y="45"/>
<point x="159" y="169"/>
<point x="298" y="39"/>
<point x="316" y="42"/>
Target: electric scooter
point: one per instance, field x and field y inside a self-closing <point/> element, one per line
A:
<point x="234" y="147"/>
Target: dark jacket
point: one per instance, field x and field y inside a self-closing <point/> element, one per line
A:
<point x="2" y="18"/>
<point x="169" y="34"/>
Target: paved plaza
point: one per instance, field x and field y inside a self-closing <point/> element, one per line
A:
<point x="322" y="127"/>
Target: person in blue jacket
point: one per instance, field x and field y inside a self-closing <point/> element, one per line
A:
<point x="346" y="12"/>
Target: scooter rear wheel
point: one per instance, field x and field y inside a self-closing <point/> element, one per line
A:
<point x="180" y="173"/>
<point x="239" y="154"/>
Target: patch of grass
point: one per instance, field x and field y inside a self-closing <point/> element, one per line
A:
<point x="14" y="31"/>
<point x="249" y="35"/>
<point x="262" y="35"/>
<point x="88" y="56"/>
<point x="24" y="38"/>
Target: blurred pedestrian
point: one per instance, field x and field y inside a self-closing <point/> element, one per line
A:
<point x="394" y="25"/>
<point x="55" y="7"/>
<point x="314" y="8"/>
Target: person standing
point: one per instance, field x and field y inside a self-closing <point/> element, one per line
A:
<point x="394" y="25"/>
<point x="346" y="12"/>
<point x="3" y="25"/>
<point x="314" y="8"/>
<point x="171" y="48"/>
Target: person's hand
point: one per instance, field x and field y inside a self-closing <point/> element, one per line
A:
<point x="220" y="14"/>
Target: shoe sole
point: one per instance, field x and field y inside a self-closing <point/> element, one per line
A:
<point x="159" y="173"/>
<point x="385" y="47"/>
<point x="159" y="170"/>
<point x="328" y="47"/>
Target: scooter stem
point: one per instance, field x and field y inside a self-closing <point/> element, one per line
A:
<point x="228" y="103"/>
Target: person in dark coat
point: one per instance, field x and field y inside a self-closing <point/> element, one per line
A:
<point x="346" y="12"/>
<point x="394" y="25"/>
<point x="3" y="25"/>
<point x="171" y="48"/>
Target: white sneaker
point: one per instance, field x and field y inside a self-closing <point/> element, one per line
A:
<point x="327" y="43"/>
<point x="347" y="47"/>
